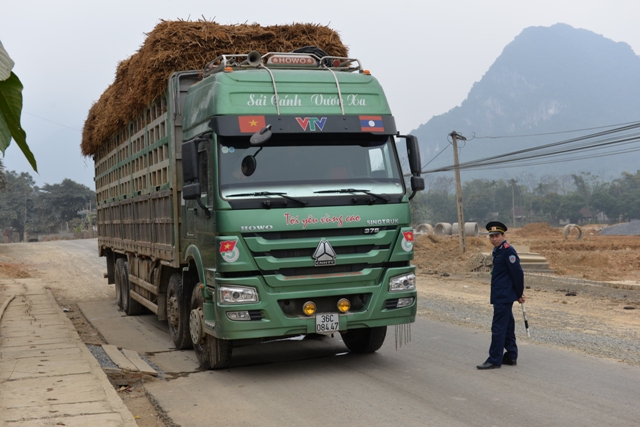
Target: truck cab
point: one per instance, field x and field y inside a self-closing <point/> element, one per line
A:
<point x="296" y="210"/>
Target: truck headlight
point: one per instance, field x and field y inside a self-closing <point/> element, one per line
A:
<point x="237" y="294"/>
<point x="406" y="282"/>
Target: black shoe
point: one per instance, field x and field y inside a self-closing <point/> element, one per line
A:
<point x="487" y="365"/>
<point x="508" y="361"/>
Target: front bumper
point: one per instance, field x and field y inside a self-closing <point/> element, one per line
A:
<point x="270" y="320"/>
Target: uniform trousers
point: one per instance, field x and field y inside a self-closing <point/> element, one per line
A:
<point x="503" y="336"/>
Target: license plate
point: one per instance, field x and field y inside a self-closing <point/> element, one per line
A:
<point x="327" y="322"/>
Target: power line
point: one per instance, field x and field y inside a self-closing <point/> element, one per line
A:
<point x="595" y="145"/>
<point x="561" y="160"/>
<point x="599" y="141"/>
<point x="51" y="121"/>
<point x="436" y="156"/>
<point x="548" y="133"/>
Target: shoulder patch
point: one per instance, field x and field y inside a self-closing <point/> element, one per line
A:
<point x="512" y="258"/>
<point x="506" y="246"/>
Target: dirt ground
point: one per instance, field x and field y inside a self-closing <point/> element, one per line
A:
<point x="594" y="257"/>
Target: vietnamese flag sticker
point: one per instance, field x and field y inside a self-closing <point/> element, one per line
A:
<point x="251" y="124"/>
<point x="229" y="251"/>
<point x="227" y="246"/>
<point x="407" y="241"/>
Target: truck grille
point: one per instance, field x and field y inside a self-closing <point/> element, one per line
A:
<point x="314" y="234"/>
<point x="341" y="250"/>
<point x="290" y="253"/>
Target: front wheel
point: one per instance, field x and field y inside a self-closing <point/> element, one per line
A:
<point x="178" y="313"/>
<point x="211" y="352"/>
<point x="365" y="340"/>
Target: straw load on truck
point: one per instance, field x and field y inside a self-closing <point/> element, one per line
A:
<point x="181" y="45"/>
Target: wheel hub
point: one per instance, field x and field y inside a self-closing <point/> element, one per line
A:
<point x="195" y="326"/>
<point x="172" y="311"/>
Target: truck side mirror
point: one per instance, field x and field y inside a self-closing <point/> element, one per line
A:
<point x="415" y="164"/>
<point x="417" y="183"/>
<point x="191" y="191"/>
<point x="190" y="168"/>
<point x="191" y="174"/>
<point x="413" y="151"/>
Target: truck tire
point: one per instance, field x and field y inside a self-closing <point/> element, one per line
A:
<point x="118" y="280"/>
<point x="212" y="353"/>
<point x="130" y="306"/>
<point x="178" y="313"/>
<point x="365" y="340"/>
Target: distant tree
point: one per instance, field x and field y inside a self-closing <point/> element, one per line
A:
<point x="442" y="206"/>
<point x="477" y="200"/>
<point x="585" y="182"/>
<point x="420" y="213"/>
<point x="631" y="205"/>
<point x="17" y="203"/>
<point x="549" y="204"/>
<point x="565" y="184"/>
<point x="61" y="202"/>
<point x="627" y="182"/>
<point x="26" y="208"/>
<point x="570" y="206"/>
<point x="504" y="202"/>
<point x="442" y="184"/>
<point x="548" y="184"/>
<point x="603" y="201"/>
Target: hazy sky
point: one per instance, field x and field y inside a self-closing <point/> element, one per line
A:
<point x="427" y="54"/>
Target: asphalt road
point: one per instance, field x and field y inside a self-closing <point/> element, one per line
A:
<point x="431" y="381"/>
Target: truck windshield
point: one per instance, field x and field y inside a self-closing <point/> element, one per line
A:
<point x="305" y="166"/>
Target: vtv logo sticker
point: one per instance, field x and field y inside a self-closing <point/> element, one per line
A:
<point x="312" y="123"/>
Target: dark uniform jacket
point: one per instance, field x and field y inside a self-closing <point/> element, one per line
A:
<point x="507" y="278"/>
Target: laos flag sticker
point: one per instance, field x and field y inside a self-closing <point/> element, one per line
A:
<point x="371" y="124"/>
<point x="407" y="241"/>
<point x="229" y="251"/>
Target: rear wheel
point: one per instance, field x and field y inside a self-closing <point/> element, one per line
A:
<point x="129" y="305"/>
<point x="118" y="280"/>
<point x="178" y="313"/>
<point x="212" y="353"/>
<point x="366" y="340"/>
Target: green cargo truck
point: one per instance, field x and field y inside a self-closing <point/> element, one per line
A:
<point x="262" y="198"/>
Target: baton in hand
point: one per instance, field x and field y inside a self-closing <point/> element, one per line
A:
<point x="526" y="322"/>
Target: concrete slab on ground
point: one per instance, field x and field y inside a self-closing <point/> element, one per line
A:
<point x="138" y="333"/>
<point x="144" y="334"/>
<point x="47" y="375"/>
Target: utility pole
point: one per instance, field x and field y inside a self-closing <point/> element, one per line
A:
<point x="463" y="243"/>
<point x="513" y="201"/>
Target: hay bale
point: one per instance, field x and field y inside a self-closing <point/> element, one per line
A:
<point x="181" y="45"/>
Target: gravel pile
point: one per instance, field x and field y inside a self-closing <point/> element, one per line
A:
<point x="101" y="356"/>
<point x="628" y="229"/>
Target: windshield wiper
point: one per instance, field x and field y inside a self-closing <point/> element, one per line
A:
<point x="269" y="193"/>
<point x="385" y="198"/>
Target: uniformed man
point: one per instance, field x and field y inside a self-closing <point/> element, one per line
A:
<point x="507" y="286"/>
